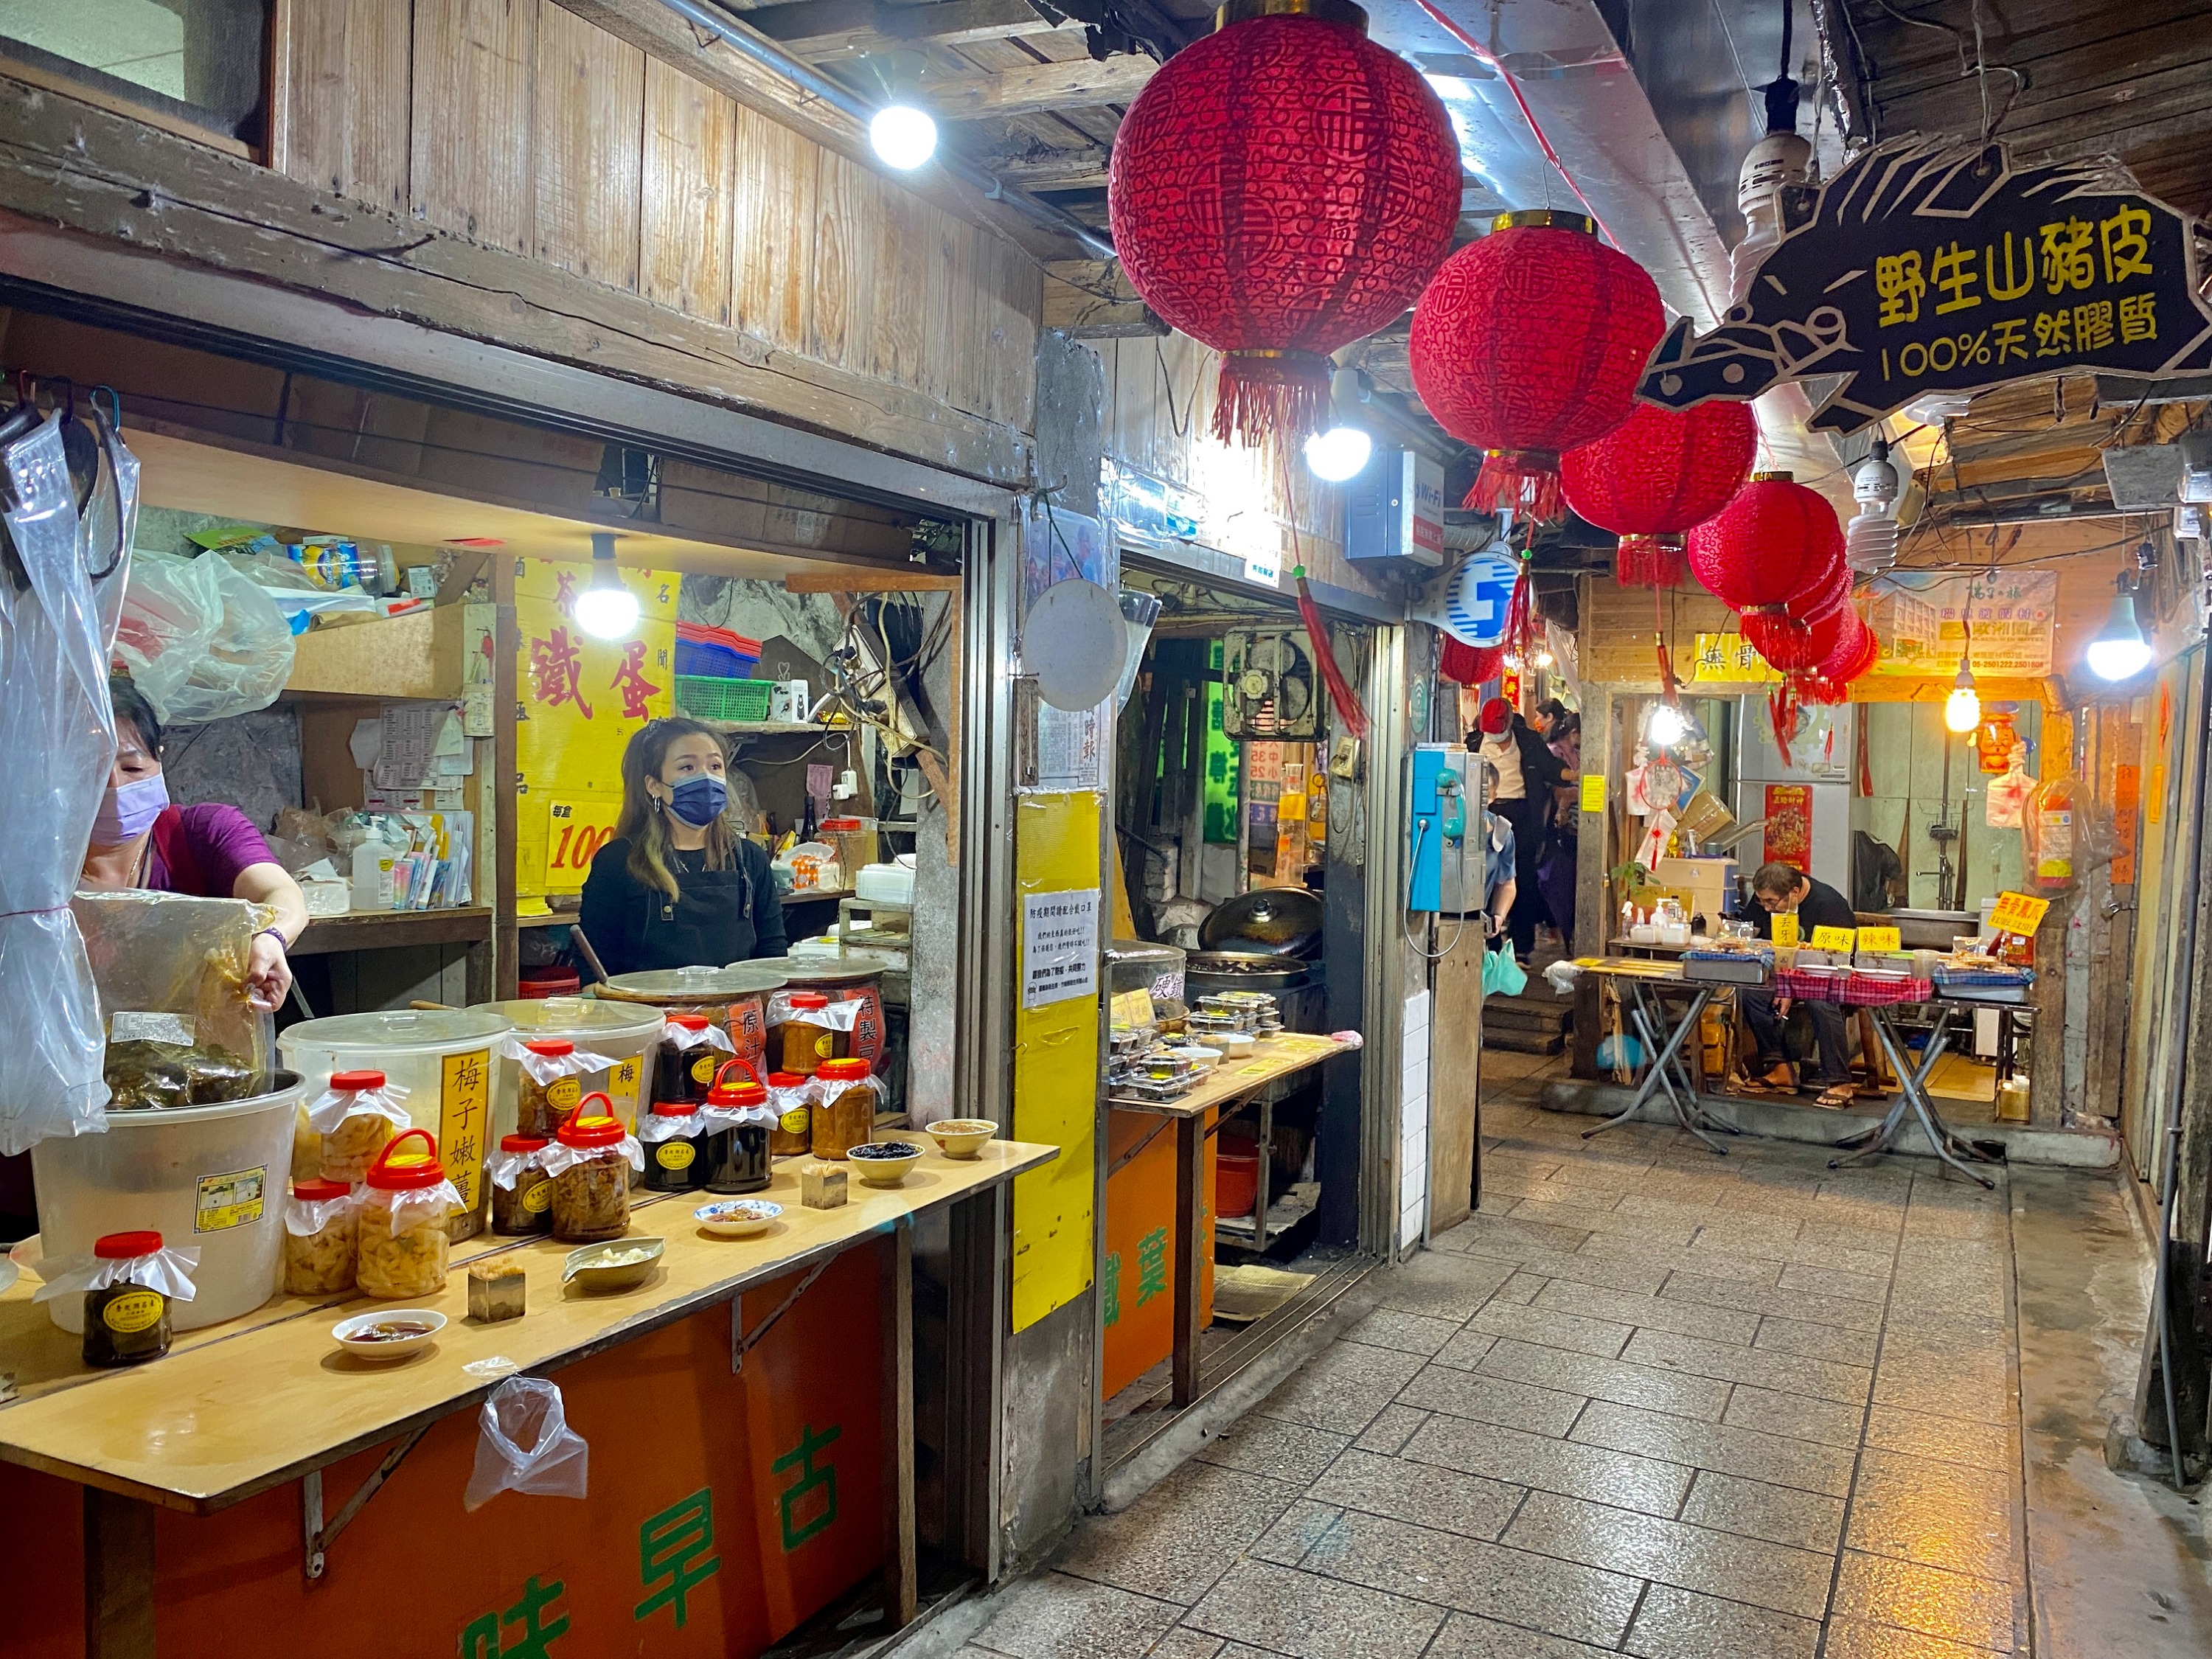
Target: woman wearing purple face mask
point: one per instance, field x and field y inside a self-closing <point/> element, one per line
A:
<point x="212" y="851"/>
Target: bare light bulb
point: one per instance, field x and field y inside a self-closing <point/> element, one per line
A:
<point x="903" y="137"/>
<point x="1666" y="726"/>
<point x="2119" y="651"/>
<point x="1962" y="709"/>
<point x="605" y="609"/>
<point x="1339" y="453"/>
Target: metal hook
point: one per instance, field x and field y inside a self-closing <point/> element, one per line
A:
<point x="112" y="413"/>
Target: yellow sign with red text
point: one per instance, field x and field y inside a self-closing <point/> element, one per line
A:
<point x="578" y="702"/>
<point x="2018" y="913"/>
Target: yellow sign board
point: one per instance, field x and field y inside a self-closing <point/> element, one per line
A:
<point x="1784" y="928"/>
<point x="1879" y="939"/>
<point x="1728" y="659"/>
<point x="464" y="1122"/>
<point x="2018" y="913"/>
<point x="575" y="832"/>
<point x="1835" y="939"/>
<point x="1593" y="791"/>
<point x="578" y="701"/>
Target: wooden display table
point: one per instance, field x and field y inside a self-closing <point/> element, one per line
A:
<point x="1231" y="1082"/>
<point x="239" y="1409"/>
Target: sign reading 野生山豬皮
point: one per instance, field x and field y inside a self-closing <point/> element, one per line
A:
<point x="1920" y="269"/>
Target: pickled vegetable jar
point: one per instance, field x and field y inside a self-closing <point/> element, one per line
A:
<point x="404" y="1203"/>
<point x="691" y="1050"/>
<point x="590" y="1161"/>
<point x="126" y="1318"/>
<point x="791" y="1097"/>
<point x="322" y="1237"/>
<point x="805" y="1036"/>
<point x="743" y="1117"/>
<point x="521" y="1191"/>
<point x="680" y="1146"/>
<point x="845" y="1108"/>
<point x="355" y="1115"/>
<point x="545" y="1095"/>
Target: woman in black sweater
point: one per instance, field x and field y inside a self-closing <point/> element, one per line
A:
<point x="679" y="885"/>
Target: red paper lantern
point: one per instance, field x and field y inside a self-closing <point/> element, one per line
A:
<point x="1282" y="188"/>
<point x="1774" y="541"/>
<point x="1529" y="343"/>
<point x="1660" y="472"/>
<point x="1828" y="598"/>
<point x="1855" y="656"/>
<point x="1784" y="642"/>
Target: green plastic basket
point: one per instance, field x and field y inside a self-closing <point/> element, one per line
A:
<point x="707" y="699"/>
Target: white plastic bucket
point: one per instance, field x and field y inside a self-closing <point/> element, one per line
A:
<point x="627" y="1033"/>
<point x="210" y="1177"/>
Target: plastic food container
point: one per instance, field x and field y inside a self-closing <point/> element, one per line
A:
<point x="212" y="1176"/>
<point x="406" y="1204"/>
<point x="680" y="1146"/>
<point x="740" y="1161"/>
<point x="624" y="1033"/>
<point x="845" y="1110"/>
<point x="360" y="1112"/>
<point x="791" y="1097"/>
<point x="322" y="1239"/>
<point x="691" y="1050"/>
<point x="442" y="1058"/>
<point x="801" y="1035"/>
<point x="521" y="1191"/>
<point x="590" y="1161"/>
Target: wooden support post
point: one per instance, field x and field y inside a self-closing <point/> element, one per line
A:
<point x="119" y="1577"/>
<point x="1189" y="1240"/>
<point x="507" y="652"/>
<point x="900" y="1567"/>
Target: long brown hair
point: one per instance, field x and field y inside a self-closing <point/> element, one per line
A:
<point x="645" y="827"/>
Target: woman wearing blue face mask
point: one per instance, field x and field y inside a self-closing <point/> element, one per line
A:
<point x="210" y="851"/>
<point x="679" y="885"/>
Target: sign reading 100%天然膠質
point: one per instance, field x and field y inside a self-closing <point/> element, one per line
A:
<point x="1919" y="270"/>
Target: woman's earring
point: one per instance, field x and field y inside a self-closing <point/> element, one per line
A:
<point x="659" y="805"/>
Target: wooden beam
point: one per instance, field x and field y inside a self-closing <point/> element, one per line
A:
<point x="1057" y="169"/>
<point x="660" y="33"/>
<point x="1080" y="84"/>
<point x="66" y="163"/>
<point x="869" y="581"/>
<point x="819" y="30"/>
<point x="1091" y="300"/>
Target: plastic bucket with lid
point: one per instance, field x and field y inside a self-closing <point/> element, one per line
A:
<point x="212" y="1178"/>
<point x="442" y="1058"/>
<point x="625" y="1033"/>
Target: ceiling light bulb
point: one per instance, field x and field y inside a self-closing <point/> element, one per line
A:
<point x="1962" y="709"/>
<point x="1666" y="726"/>
<point x="2119" y="651"/>
<point x="903" y="137"/>
<point x="1338" y="453"/>
<point x="605" y="609"/>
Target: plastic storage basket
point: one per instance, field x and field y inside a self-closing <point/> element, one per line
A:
<point x="709" y="699"/>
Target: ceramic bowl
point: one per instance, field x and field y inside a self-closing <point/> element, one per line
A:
<point x="962" y="1136"/>
<point x="1237" y="1045"/>
<point x="350" y="1334"/>
<point x="737" y="1217"/>
<point x="884" y="1163"/>
<point x="590" y="1267"/>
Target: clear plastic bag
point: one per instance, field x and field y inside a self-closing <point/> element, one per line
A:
<point x="58" y="733"/>
<point x="172" y="953"/>
<point x="524" y="1444"/>
<point x="200" y="641"/>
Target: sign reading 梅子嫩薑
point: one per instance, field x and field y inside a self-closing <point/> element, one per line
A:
<point x="1920" y="269"/>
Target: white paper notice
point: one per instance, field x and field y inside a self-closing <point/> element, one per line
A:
<point x="1059" y="946"/>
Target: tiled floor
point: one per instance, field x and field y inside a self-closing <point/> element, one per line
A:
<point x="1645" y="1401"/>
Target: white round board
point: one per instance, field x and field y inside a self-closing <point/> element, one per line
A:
<point x="1075" y="642"/>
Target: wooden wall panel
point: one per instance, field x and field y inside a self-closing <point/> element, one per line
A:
<point x="846" y="292"/>
<point x="899" y="272"/>
<point x="685" y="212"/>
<point x="471" y="169"/>
<point x="1008" y="301"/>
<point x="588" y="125"/>
<point x="341" y="119"/>
<point x="774" y="193"/>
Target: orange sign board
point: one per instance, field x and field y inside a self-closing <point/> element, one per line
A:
<point x="2018" y="913"/>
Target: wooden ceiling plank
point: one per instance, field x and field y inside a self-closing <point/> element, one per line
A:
<point x="821" y="30"/>
<point x="1084" y="83"/>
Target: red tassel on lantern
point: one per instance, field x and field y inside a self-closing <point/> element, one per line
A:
<point x="1281" y="188"/>
<point x="1773" y="541"/>
<point x="1530" y="342"/>
<point x="1784" y="642"/>
<point x="1660" y="472"/>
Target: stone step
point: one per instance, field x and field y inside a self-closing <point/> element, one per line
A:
<point x="1514" y="1041"/>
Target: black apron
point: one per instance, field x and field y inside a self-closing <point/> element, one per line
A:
<point x="710" y="925"/>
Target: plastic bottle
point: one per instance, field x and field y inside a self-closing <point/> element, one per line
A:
<point x="372" y="873"/>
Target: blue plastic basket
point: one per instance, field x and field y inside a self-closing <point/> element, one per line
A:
<point x="706" y="659"/>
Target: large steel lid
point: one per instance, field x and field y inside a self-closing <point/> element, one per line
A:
<point x="402" y="1030"/>
<point x="1281" y="921"/>
<point x="674" y="986"/>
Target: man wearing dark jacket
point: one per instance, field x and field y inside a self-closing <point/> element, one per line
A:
<point x="1527" y="774"/>
<point x="1779" y="891"/>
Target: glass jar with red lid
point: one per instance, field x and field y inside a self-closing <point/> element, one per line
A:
<point x="322" y="1237"/>
<point x="745" y="1121"/>
<point x="805" y="1036"/>
<point x="692" y="1049"/>
<point x="791" y="1098"/>
<point x="545" y="1096"/>
<point x="678" y="1138"/>
<point x="590" y="1161"/>
<point x="844" y="1107"/>
<point x="126" y="1320"/>
<point x="404" y="1203"/>
<point x="521" y="1191"/>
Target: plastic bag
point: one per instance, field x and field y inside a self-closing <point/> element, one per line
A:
<point x="172" y="953"/>
<point x="58" y="733"/>
<point x="524" y="1444"/>
<point x="200" y="641"/>
<point x="1501" y="974"/>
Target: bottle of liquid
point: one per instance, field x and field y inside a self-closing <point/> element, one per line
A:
<point x="372" y="873"/>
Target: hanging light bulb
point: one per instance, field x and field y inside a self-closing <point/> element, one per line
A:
<point x="606" y="609"/>
<point x="903" y="137"/>
<point x="1962" y="709"/>
<point x="2119" y="651"/>
<point x="1339" y="453"/>
<point x="1666" y="726"/>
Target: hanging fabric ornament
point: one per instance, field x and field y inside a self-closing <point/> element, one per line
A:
<point x="1469" y="664"/>
<point x="1530" y="342"/>
<point x="1282" y="188"/>
<point x="1775" y="540"/>
<point x="1782" y="715"/>
<point x="1815" y="688"/>
<point x="1660" y="473"/>
<point x="1519" y="641"/>
<point x="1784" y="642"/>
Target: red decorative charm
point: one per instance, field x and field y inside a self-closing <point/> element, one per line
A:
<point x="1279" y="189"/>
<point x="1773" y="541"/>
<point x="1529" y="343"/>
<point x="1659" y="473"/>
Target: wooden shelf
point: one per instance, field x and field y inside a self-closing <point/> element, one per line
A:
<point x="381" y="930"/>
<point x="417" y="654"/>
<point x="773" y="728"/>
<point x="558" y="919"/>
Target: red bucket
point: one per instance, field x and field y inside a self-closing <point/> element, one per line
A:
<point x="1236" y="1178"/>
<point x="549" y="982"/>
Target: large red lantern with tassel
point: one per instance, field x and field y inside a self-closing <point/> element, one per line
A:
<point x="1774" y="541"/>
<point x="1282" y="188"/>
<point x="1855" y="654"/>
<point x="1784" y="642"/>
<point x="1660" y="473"/>
<point x="1529" y="343"/>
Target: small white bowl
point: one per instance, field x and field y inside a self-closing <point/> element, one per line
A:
<point x="737" y="1217"/>
<point x="347" y="1333"/>
<point x="1237" y="1045"/>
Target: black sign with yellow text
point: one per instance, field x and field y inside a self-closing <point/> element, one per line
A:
<point x="1919" y="270"/>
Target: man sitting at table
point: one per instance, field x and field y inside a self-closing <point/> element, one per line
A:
<point x="1781" y="890"/>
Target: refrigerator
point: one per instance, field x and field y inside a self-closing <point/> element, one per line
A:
<point x="1806" y="799"/>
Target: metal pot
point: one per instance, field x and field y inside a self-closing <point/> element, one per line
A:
<point x="1243" y="970"/>
<point x="1284" y="922"/>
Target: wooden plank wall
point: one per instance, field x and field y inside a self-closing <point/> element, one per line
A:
<point x="518" y="124"/>
<point x="1159" y="405"/>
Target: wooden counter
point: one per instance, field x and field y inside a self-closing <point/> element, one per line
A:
<point x="241" y="1407"/>
<point x="1271" y="1057"/>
